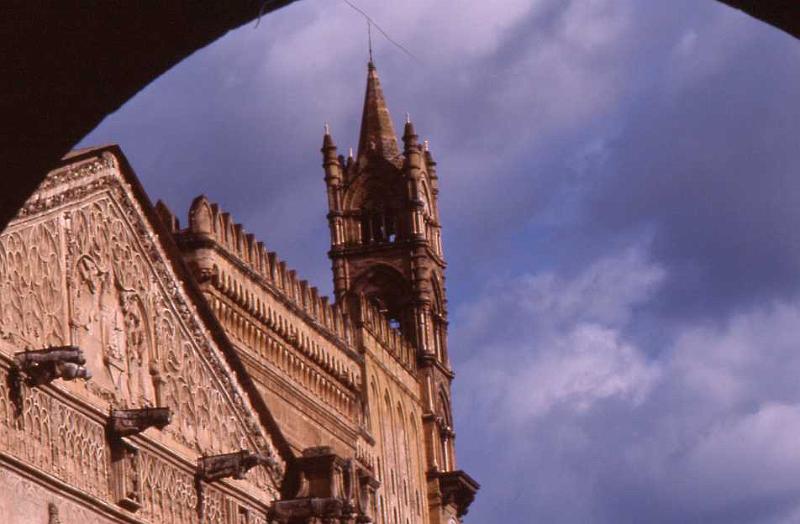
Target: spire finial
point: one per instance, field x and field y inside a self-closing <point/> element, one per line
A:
<point x="350" y="153"/>
<point x="426" y="145"/>
<point x="327" y="129"/>
<point x="409" y="135"/>
<point x="369" y="38"/>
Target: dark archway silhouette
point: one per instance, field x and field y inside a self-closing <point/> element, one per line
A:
<point x="783" y="14"/>
<point x="67" y="65"/>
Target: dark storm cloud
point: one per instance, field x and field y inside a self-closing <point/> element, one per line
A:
<point x="712" y="168"/>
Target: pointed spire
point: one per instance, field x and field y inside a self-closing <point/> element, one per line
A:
<point x="377" y="131"/>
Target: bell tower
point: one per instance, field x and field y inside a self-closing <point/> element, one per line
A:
<point x="386" y="244"/>
<point x="384" y="224"/>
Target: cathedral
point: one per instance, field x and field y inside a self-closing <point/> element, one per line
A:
<point x="154" y="372"/>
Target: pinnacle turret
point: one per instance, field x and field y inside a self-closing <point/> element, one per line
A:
<point x="409" y="135"/>
<point x="328" y="147"/>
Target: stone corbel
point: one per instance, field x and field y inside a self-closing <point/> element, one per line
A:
<point x="457" y="489"/>
<point x="126" y="422"/>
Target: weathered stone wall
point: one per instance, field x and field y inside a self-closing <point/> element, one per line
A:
<point x="395" y="416"/>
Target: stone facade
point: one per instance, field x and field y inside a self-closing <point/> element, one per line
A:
<point x="153" y="373"/>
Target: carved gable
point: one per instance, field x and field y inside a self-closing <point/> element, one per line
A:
<point x="82" y="266"/>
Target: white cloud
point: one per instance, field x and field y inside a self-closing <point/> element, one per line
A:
<point x="586" y="365"/>
<point x="706" y="430"/>
<point x="699" y="53"/>
<point x="566" y="349"/>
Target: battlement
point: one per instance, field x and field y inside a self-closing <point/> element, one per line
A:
<point x="206" y="219"/>
<point x="209" y="224"/>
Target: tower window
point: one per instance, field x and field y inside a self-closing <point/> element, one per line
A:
<point x="378" y="225"/>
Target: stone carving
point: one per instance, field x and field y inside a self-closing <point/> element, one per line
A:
<point x="52" y="514"/>
<point x="126" y="478"/>
<point x="457" y="489"/>
<point x="108" y="281"/>
<point x="126" y="422"/>
<point x="212" y="507"/>
<point x="228" y="465"/>
<point x="31" y="299"/>
<point x="202" y="420"/>
<point x="45" y="365"/>
<point x="140" y="385"/>
<point x="77" y="445"/>
<point x="91" y="275"/>
<point x="26" y="501"/>
<point x="129" y="318"/>
<point x="168" y="494"/>
<point x="54" y="438"/>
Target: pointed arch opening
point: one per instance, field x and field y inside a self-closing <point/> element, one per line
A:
<point x="389" y="292"/>
<point x="373" y="207"/>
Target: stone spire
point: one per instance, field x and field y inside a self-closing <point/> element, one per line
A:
<point x="377" y="130"/>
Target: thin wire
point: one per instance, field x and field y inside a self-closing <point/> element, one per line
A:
<point x="371" y="21"/>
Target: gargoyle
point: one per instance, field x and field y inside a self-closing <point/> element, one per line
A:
<point x="125" y="422"/>
<point x="229" y="465"/>
<point x="42" y="366"/>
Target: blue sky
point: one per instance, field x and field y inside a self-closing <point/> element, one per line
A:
<point x="619" y="195"/>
